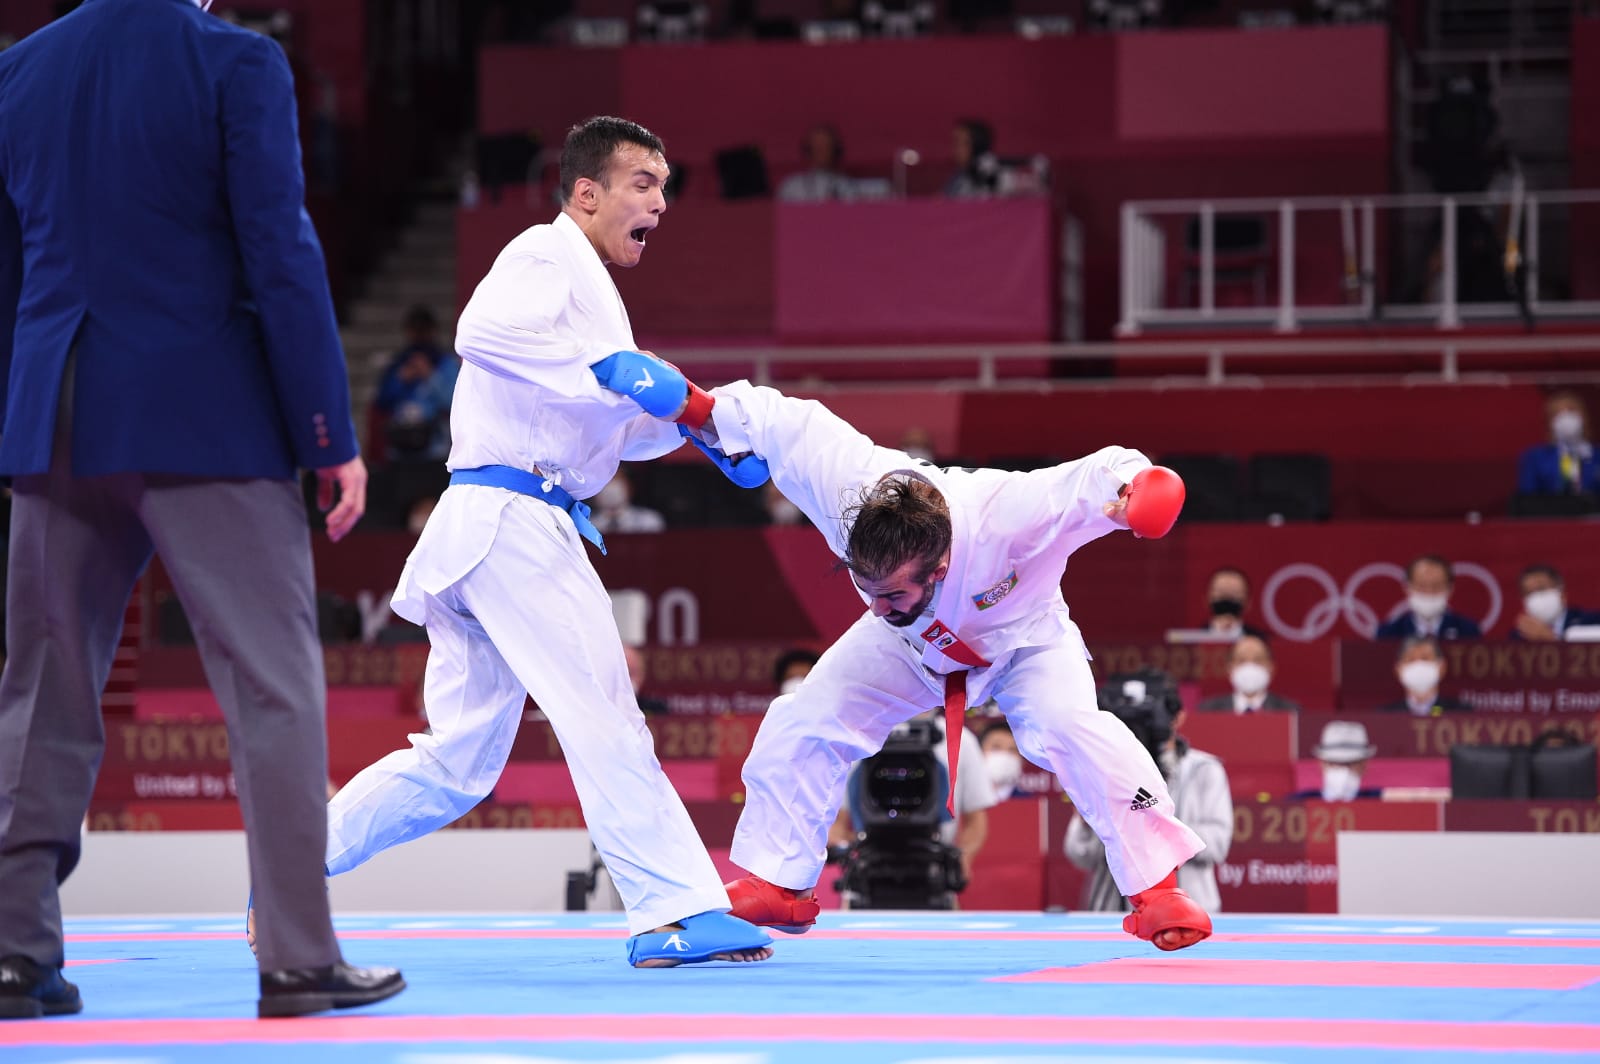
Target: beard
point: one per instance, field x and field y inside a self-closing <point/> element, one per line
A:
<point x="906" y="618"/>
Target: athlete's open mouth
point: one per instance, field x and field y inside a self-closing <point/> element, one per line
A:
<point x="638" y="234"/>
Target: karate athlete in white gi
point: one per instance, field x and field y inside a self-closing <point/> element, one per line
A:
<point x="552" y="394"/>
<point x="961" y="572"/>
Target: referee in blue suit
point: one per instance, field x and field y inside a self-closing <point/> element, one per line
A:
<point x="168" y="360"/>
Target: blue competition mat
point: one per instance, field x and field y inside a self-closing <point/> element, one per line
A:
<point x="884" y="988"/>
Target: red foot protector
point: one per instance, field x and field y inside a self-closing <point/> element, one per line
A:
<point x="769" y="905"/>
<point x="1166" y="916"/>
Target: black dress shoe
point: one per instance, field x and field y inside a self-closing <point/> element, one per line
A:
<point x="297" y="991"/>
<point x="29" y="990"/>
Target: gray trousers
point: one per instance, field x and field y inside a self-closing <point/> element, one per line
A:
<point x="239" y="555"/>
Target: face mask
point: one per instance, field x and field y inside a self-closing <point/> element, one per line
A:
<point x="1340" y="783"/>
<point x="1543" y="606"/>
<point x="1227" y="607"/>
<point x="1249" y="678"/>
<point x="784" y="512"/>
<point x="1567" y="426"/>
<point x="1419" y="677"/>
<point x="614" y="496"/>
<point x="1005" y="769"/>
<point x="791" y="685"/>
<point x="1427" y="607"/>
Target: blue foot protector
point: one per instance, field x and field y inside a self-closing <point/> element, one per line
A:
<point x="705" y="937"/>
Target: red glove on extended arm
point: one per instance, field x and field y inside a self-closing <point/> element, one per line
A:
<point x="1155" y="496"/>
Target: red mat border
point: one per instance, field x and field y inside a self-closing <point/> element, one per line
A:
<point x="900" y="1029"/>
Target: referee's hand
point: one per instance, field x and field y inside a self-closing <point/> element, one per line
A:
<point x="351" y="478"/>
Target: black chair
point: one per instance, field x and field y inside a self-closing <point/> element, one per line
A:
<point x="1561" y="767"/>
<point x="1211" y="483"/>
<point x="338" y="619"/>
<point x="1556" y="766"/>
<point x="742" y="173"/>
<point x="172" y="624"/>
<point x="394" y="489"/>
<point x="1581" y="505"/>
<point x="686" y="494"/>
<point x="1296" y="487"/>
<point x="1241" y="261"/>
<point x="1488" y="771"/>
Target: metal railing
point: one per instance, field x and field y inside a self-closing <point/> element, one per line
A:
<point x="798" y="365"/>
<point x="1362" y="252"/>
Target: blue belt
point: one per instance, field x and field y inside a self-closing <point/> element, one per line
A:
<point x="532" y="484"/>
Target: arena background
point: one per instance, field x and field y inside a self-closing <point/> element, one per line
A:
<point x="1225" y="238"/>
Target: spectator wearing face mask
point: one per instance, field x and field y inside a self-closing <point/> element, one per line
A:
<point x="1429" y="581"/>
<point x="1545" y="614"/>
<point x="1227" y="597"/>
<point x="1566" y="465"/>
<point x="1420" y="668"/>
<point x="1001" y="760"/>
<point x="1250" y="671"/>
<point x="791" y="667"/>
<point x="1344" y="752"/>
<point x="613" y="509"/>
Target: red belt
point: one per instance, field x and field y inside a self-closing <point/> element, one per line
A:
<point x="948" y="643"/>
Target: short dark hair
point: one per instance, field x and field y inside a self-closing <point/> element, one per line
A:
<point x="420" y="317"/>
<point x="1449" y="570"/>
<point x="1542" y="569"/>
<point x="996" y="726"/>
<point x="590" y="145"/>
<point x="790" y="658"/>
<point x="1413" y="641"/>
<point x="833" y="135"/>
<point x="1266" y="644"/>
<point x="980" y="133"/>
<point x="897" y="520"/>
<point x="1235" y="570"/>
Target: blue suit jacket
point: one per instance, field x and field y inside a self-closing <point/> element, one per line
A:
<point x="1451" y="626"/>
<point x="151" y="208"/>
<point x="1539" y="472"/>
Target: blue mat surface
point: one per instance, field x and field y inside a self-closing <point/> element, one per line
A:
<point x="884" y="988"/>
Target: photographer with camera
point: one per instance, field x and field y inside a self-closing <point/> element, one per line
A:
<point x="1148" y="703"/>
<point x="899" y="844"/>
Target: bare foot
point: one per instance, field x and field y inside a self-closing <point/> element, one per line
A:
<point x="742" y="956"/>
<point x="250" y="929"/>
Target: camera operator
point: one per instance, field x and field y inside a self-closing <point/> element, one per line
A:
<point x="894" y="827"/>
<point x="1148" y="703"/>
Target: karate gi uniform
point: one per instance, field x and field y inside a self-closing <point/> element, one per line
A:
<point x="1012" y="534"/>
<point x="511" y="602"/>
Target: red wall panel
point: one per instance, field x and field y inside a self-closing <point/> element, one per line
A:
<point x="1292" y="83"/>
<point x="915" y="272"/>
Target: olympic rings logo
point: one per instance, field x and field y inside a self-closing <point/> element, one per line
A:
<point x="1347" y="602"/>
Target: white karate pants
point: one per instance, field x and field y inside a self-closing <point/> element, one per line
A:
<point x="532" y="616"/>
<point x="869" y="681"/>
